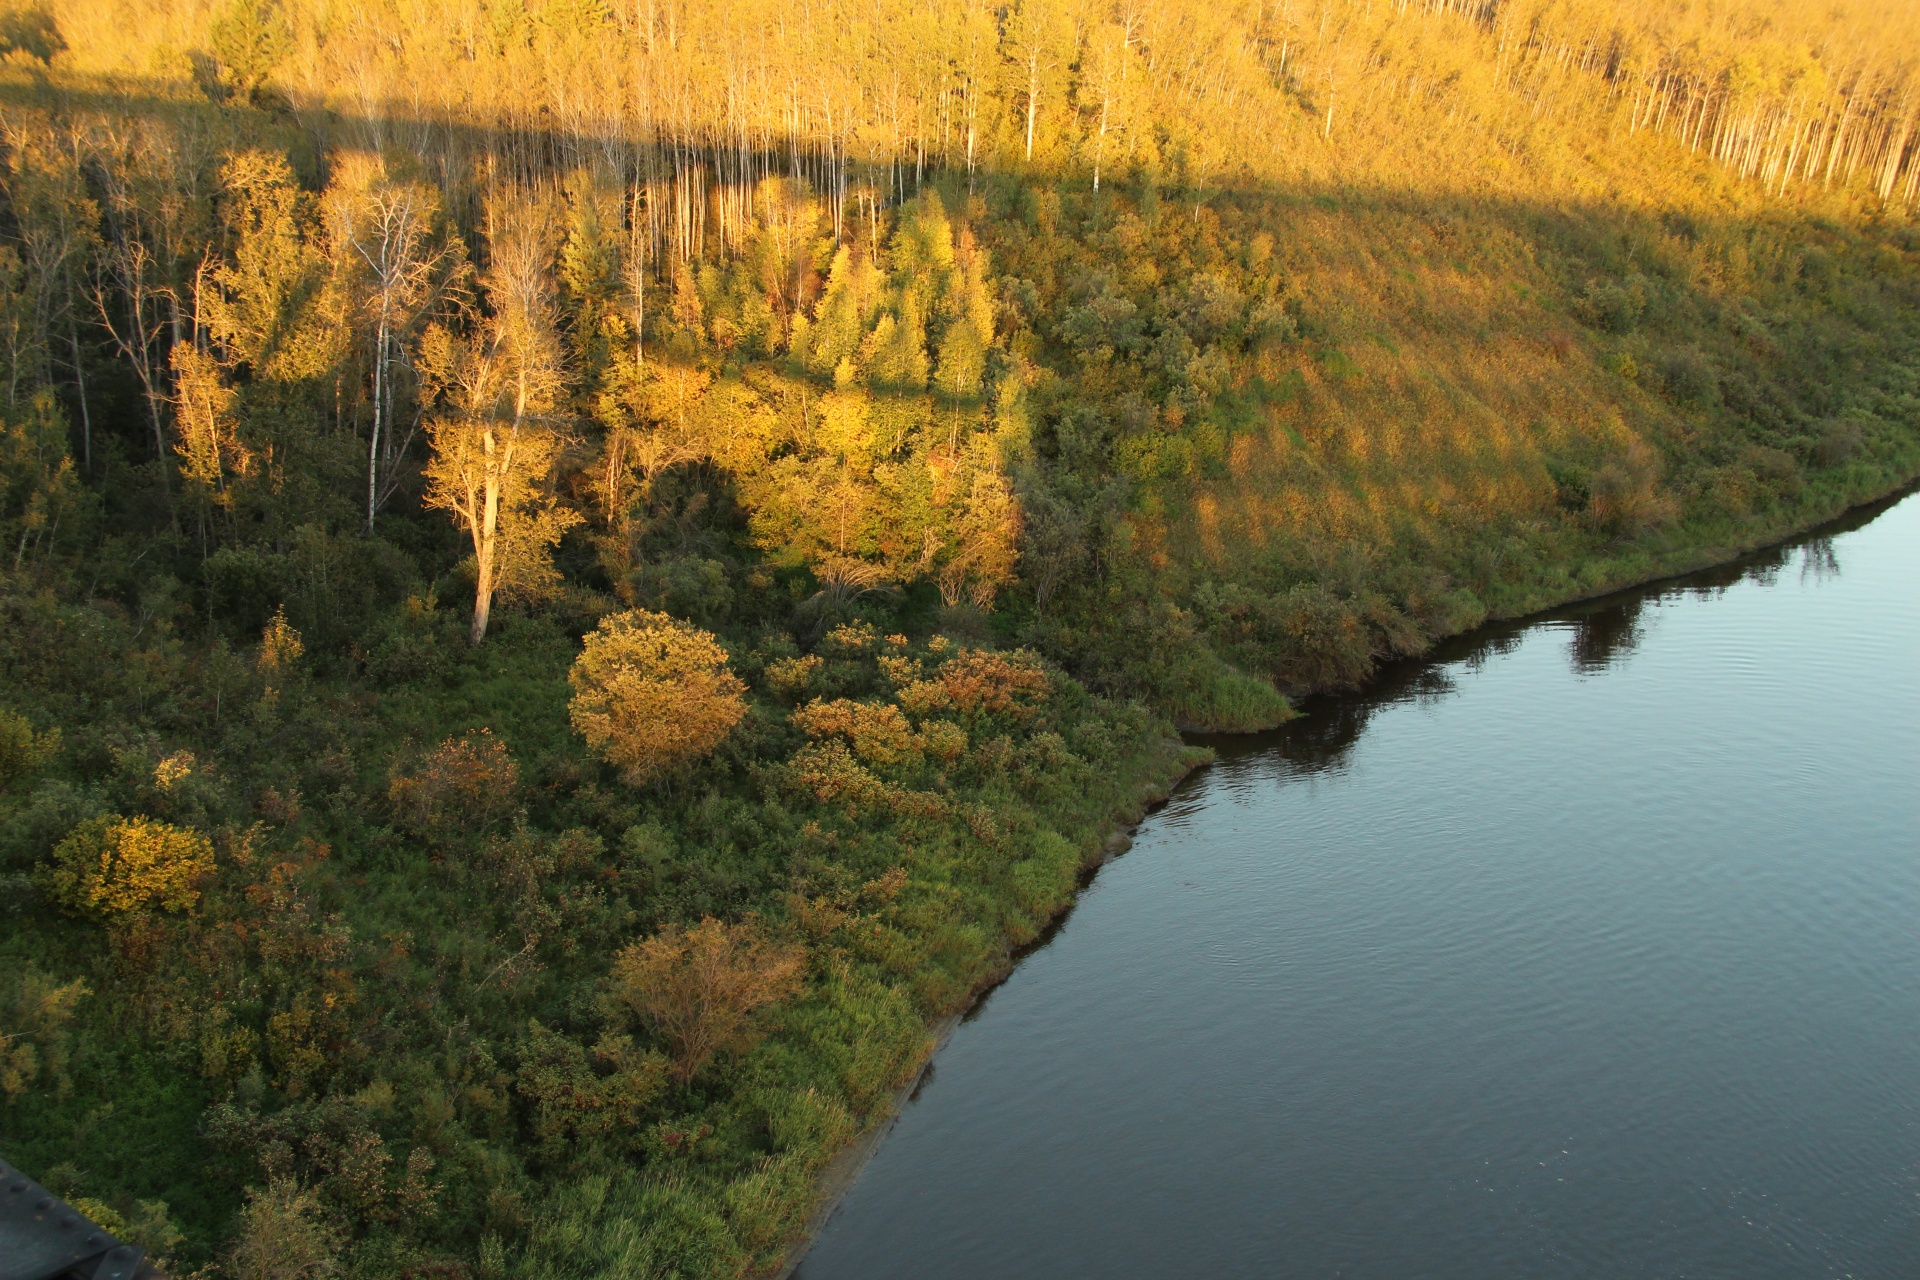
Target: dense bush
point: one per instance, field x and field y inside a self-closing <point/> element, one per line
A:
<point x="651" y="693"/>
<point x="113" y="866"/>
<point x="699" y="988"/>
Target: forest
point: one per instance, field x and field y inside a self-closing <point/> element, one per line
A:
<point x="574" y="576"/>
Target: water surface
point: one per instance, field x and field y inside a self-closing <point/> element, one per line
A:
<point x="1591" y="948"/>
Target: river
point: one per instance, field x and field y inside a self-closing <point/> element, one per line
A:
<point x="1590" y="947"/>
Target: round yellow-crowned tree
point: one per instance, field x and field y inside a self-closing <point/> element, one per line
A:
<point x="651" y="693"/>
<point x="114" y="866"/>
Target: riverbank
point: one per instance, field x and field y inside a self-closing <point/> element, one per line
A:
<point x="1573" y="948"/>
<point x="1679" y="561"/>
<point x="1605" y="569"/>
<point x="841" y="1173"/>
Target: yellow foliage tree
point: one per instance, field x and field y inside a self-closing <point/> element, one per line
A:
<point x="498" y="438"/>
<point x="652" y="692"/>
<point x="699" y="988"/>
<point x="985" y="535"/>
<point x="280" y="645"/>
<point x="115" y="866"/>
<point x="21" y="749"/>
<point x="203" y="414"/>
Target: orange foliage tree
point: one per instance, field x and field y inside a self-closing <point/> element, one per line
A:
<point x="463" y="781"/>
<point x="978" y="682"/>
<point x="699" y="988"/>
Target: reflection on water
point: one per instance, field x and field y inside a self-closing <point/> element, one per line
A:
<point x="1605" y="632"/>
<point x="1585" y="948"/>
<point x="1819" y="561"/>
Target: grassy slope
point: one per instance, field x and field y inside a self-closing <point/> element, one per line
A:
<point x="1491" y="406"/>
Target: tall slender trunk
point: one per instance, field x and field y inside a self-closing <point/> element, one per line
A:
<point x="80" y="383"/>
<point x="379" y="411"/>
<point x="1896" y="151"/>
<point x="485" y="539"/>
<point x="637" y="279"/>
<point x="483" y="582"/>
<point x="1033" y="98"/>
<point x="486" y="535"/>
<point x="1100" y="148"/>
<point x="142" y="357"/>
<point x="1839" y="141"/>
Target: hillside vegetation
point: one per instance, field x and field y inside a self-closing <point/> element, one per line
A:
<point x="574" y="576"/>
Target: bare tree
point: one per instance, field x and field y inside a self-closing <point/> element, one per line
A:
<point x="388" y="227"/>
<point x="126" y="287"/>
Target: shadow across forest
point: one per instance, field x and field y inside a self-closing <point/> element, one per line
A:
<point x="1390" y="306"/>
<point x="1156" y="353"/>
<point x="1357" y="318"/>
<point x="542" y="148"/>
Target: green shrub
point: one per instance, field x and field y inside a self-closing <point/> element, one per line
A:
<point x="1230" y="701"/>
<point x="22" y="751"/>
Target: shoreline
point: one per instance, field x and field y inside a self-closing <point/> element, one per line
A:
<point x="1679" y="563"/>
<point x="1686" y="565"/>
<point x="837" y="1177"/>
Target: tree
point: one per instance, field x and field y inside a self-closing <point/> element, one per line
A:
<point x="654" y="421"/>
<point x="963" y="347"/>
<point x="32" y="32"/>
<point x="1033" y="32"/>
<point x="699" y="988"/>
<point x="153" y="218"/>
<point x="22" y="751"/>
<point x="384" y="228"/>
<point x="840" y="318"/>
<point x="268" y="316"/>
<point x="25" y="353"/>
<point x="203" y="418"/>
<point x="115" y="866"/>
<point x="985" y="535"/>
<point x="57" y="236"/>
<point x="249" y="38"/>
<point x="498" y="437"/>
<point x="285" y="1235"/>
<point x="1112" y="59"/>
<point x="34" y="1013"/>
<point x="38" y="487"/>
<point x="652" y="693"/>
<point x="270" y="307"/>
<point x="464" y="783"/>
